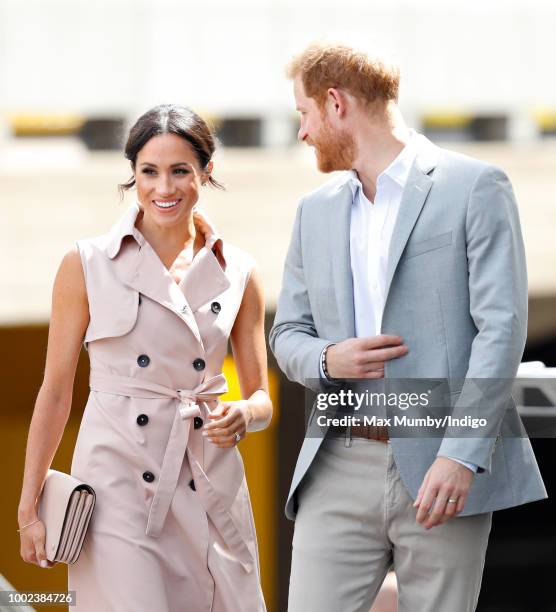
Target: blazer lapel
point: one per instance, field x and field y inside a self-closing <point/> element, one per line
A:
<point x="339" y="251"/>
<point x="414" y="197"/>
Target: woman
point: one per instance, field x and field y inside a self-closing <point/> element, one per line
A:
<point x="155" y="301"/>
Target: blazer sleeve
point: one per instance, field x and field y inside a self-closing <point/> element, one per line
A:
<point x="498" y="307"/>
<point x="293" y="338"/>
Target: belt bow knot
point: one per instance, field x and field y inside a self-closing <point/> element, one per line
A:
<point x="188" y="407"/>
<point x="188" y="401"/>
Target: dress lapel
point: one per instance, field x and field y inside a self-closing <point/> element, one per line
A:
<point x="204" y="280"/>
<point x="138" y="266"/>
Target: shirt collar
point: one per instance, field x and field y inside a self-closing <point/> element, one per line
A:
<point x="126" y="227"/>
<point x="399" y="168"/>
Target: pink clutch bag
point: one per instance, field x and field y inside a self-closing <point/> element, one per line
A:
<point x="65" y="507"/>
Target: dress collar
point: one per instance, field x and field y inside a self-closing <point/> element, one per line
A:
<point x="126" y="227"/>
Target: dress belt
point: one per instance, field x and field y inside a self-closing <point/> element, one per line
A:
<point x="187" y="408"/>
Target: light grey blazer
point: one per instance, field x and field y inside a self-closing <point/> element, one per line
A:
<point x="456" y="294"/>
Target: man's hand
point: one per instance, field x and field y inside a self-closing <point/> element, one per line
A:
<point x="446" y="479"/>
<point x="363" y="357"/>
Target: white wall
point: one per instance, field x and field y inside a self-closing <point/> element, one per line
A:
<point x="225" y="57"/>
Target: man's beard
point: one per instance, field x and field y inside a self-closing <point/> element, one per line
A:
<point x="335" y="150"/>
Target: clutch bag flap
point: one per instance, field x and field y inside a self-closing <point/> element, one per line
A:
<point x="65" y="507"/>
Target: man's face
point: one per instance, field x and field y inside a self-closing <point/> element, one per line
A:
<point x="334" y="147"/>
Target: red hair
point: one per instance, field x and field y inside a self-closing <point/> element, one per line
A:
<point x="323" y="66"/>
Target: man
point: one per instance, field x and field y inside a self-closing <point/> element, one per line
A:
<point x="408" y="265"/>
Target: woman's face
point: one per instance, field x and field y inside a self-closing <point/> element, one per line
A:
<point x="168" y="178"/>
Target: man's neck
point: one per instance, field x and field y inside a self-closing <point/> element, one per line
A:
<point x="378" y="144"/>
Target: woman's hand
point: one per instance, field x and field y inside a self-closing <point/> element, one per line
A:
<point x="68" y="322"/>
<point x="248" y="345"/>
<point x="32" y="548"/>
<point x="226" y="420"/>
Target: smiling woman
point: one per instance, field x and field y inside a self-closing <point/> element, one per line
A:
<point x="179" y="121"/>
<point x="155" y="300"/>
<point x="170" y="149"/>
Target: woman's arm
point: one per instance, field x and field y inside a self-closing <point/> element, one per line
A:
<point x="68" y="322"/>
<point x="248" y="345"/>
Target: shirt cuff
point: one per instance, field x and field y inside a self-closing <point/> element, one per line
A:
<point x="470" y="466"/>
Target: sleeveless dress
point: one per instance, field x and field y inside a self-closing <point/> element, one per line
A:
<point x="172" y="528"/>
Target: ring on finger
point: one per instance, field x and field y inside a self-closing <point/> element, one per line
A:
<point x="237" y="437"/>
<point x="452" y="501"/>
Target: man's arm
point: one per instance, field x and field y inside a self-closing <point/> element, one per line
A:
<point x="297" y="346"/>
<point x="293" y="338"/>
<point x="498" y="307"/>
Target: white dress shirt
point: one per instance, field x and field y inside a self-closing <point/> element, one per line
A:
<point x="371" y="228"/>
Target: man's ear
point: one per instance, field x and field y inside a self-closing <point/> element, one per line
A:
<point x="338" y="101"/>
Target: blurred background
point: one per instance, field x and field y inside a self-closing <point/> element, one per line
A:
<point x="477" y="78"/>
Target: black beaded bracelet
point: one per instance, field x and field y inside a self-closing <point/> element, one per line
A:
<point x="323" y="363"/>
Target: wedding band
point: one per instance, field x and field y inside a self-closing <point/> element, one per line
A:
<point x="237" y="437"/>
<point x="452" y="501"/>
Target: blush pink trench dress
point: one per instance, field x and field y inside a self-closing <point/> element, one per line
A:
<point x="172" y="528"/>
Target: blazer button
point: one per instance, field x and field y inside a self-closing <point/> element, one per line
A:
<point x="199" y="364"/>
<point x="143" y="361"/>
<point x="192" y="484"/>
<point x="142" y="419"/>
<point x="148" y="476"/>
<point x="197" y="422"/>
<point x="215" y="307"/>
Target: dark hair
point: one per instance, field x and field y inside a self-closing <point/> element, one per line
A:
<point x="170" y="119"/>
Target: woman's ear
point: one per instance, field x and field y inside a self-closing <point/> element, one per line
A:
<point x="208" y="172"/>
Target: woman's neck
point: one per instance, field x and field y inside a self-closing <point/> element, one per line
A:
<point x="169" y="242"/>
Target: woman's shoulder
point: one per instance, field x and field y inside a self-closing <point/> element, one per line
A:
<point x="71" y="263"/>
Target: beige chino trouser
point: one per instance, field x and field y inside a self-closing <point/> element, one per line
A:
<point x="355" y="519"/>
